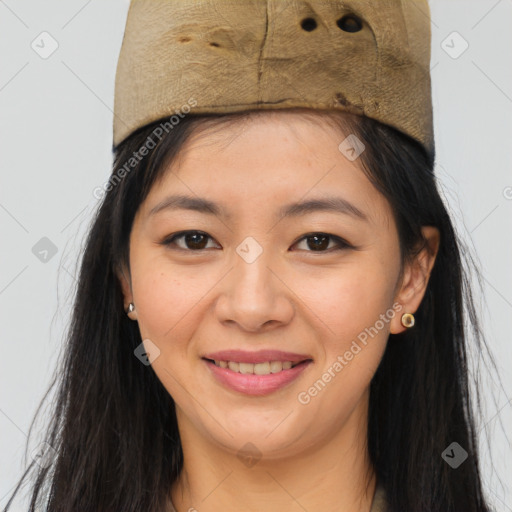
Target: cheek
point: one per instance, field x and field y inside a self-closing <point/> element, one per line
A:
<point x="349" y="301"/>
<point x="165" y="303"/>
<point x="354" y="313"/>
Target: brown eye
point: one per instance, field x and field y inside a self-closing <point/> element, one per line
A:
<point x="195" y="241"/>
<point x="350" y="23"/>
<point x="319" y="242"/>
<point x="191" y="240"/>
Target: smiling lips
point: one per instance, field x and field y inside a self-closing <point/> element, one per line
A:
<point x="256" y="373"/>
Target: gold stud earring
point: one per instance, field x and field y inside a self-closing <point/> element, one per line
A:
<point x="407" y="320"/>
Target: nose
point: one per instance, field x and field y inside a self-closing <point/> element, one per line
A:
<point x="254" y="296"/>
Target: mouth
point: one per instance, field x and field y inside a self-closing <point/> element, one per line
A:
<point x="257" y="378"/>
<point x="264" y="368"/>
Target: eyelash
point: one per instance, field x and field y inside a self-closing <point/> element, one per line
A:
<point x="342" y="244"/>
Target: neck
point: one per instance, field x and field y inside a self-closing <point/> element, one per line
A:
<point x="333" y="474"/>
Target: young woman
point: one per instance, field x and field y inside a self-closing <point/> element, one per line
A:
<point x="270" y="316"/>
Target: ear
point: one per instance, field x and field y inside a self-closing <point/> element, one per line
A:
<point x="415" y="277"/>
<point x="123" y="274"/>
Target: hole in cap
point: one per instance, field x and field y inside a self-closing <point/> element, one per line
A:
<point x="350" y="23"/>
<point x="308" y="24"/>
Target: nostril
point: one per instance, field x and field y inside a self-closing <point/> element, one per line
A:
<point x="350" y="23"/>
<point x="308" y="24"/>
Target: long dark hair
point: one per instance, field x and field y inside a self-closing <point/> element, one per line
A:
<point x="113" y="424"/>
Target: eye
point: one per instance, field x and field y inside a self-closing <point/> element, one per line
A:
<point x="196" y="241"/>
<point x="319" y="242"/>
<point x="192" y="240"/>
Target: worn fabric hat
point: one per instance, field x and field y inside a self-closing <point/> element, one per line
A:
<point x="367" y="57"/>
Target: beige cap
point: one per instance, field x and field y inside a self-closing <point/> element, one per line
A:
<point x="368" y="57"/>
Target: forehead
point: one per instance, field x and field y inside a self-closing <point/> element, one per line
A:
<point x="267" y="160"/>
<point x="300" y="123"/>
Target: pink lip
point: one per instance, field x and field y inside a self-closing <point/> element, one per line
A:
<point x="256" y="385"/>
<point x="260" y="356"/>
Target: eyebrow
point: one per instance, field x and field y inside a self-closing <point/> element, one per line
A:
<point x="202" y="205"/>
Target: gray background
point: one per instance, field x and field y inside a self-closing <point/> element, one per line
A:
<point x="56" y="136"/>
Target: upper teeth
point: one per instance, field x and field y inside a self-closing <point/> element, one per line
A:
<point x="257" y="368"/>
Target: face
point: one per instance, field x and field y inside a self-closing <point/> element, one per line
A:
<point x="295" y="252"/>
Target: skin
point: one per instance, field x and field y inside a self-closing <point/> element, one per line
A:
<point x="312" y="456"/>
